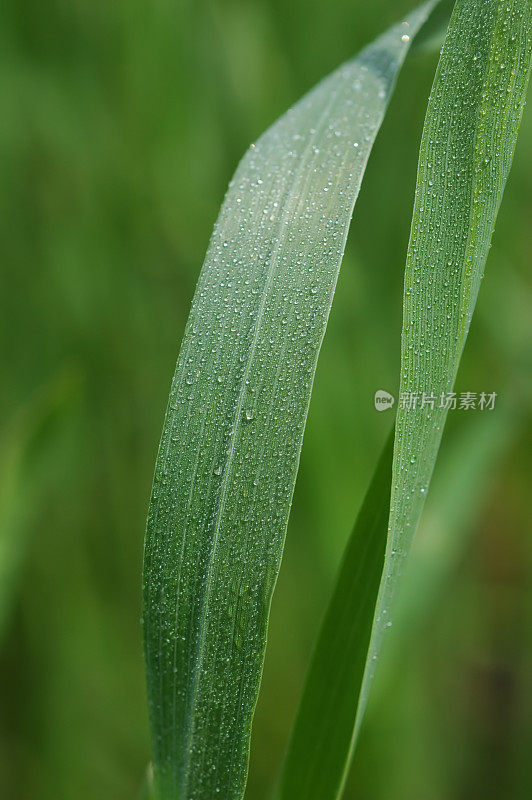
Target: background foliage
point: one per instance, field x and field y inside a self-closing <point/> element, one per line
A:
<point x="121" y="126"/>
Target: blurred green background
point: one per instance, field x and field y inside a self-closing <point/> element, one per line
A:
<point x="121" y="124"/>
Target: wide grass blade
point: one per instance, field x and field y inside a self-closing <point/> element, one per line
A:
<point x="233" y="430"/>
<point x="467" y="146"/>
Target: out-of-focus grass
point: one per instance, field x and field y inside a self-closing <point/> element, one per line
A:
<point x="121" y="125"/>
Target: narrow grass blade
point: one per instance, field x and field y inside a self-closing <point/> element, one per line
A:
<point x="318" y="754"/>
<point x="466" y="151"/>
<point x="458" y="495"/>
<point x="233" y="430"/>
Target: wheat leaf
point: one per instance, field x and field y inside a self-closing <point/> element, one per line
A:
<point x="233" y="430"/>
<point x="468" y="141"/>
<point x="466" y="151"/>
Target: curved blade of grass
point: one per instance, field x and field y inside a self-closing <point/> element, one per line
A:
<point x="233" y="430"/>
<point x="467" y="146"/>
<point x="318" y="756"/>
<point x="458" y="495"/>
<point x="319" y="749"/>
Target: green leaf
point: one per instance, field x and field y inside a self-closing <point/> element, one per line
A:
<point x="467" y="146"/>
<point x="233" y="430"/>
<point x="318" y="755"/>
<point x="456" y="500"/>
